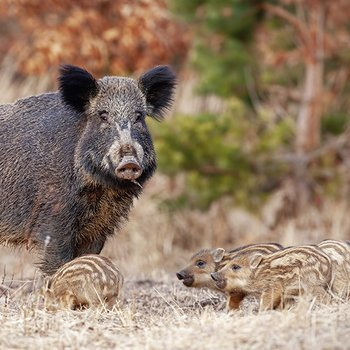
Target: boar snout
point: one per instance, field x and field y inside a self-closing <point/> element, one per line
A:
<point x="214" y="276"/>
<point x="187" y="279"/>
<point x="219" y="280"/>
<point x="128" y="168"/>
<point x="180" y="275"/>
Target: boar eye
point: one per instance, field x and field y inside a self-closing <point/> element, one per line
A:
<point x="139" y="116"/>
<point x="103" y="115"/>
<point x="235" y="267"/>
<point x="200" y="264"/>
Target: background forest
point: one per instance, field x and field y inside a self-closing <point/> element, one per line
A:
<point x="258" y="139"/>
<point x="255" y="149"/>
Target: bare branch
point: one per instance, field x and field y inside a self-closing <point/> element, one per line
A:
<point x="336" y="144"/>
<point x="295" y="22"/>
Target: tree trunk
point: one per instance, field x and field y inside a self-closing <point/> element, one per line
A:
<point x="309" y="117"/>
<point x="308" y="133"/>
<point x="310" y="29"/>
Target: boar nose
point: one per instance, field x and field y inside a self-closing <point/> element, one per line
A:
<point x="180" y="275"/>
<point x="128" y="168"/>
<point x="214" y="276"/>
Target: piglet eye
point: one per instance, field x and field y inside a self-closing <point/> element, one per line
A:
<point x="235" y="267"/>
<point x="200" y="263"/>
<point x="103" y="115"/>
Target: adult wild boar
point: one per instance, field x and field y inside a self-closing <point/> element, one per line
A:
<point x="72" y="161"/>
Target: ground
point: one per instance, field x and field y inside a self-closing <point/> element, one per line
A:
<point x="156" y="311"/>
<point x="163" y="314"/>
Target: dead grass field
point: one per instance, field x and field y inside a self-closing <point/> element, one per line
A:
<point x="161" y="314"/>
<point x="156" y="311"/>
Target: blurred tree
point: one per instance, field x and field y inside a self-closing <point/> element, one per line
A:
<point x="222" y="155"/>
<point x="322" y="41"/>
<point x="107" y="36"/>
<point x="287" y="61"/>
<point x="321" y="45"/>
<point x="222" y="46"/>
<point x="234" y="40"/>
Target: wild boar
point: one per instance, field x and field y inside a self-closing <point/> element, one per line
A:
<point x="339" y="253"/>
<point x="89" y="281"/>
<point x="277" y="277"/>
<point x="198" y="272"/>
<point x="73" y="161"/>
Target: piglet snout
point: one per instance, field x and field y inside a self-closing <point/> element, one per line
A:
<point x="214" y="276"/>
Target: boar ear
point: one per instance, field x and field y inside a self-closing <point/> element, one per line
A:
<point x="158" y="85"/>
<point x="255" y="261"/>
<point x="218" y="254"/>
<point x="77" y="86"/>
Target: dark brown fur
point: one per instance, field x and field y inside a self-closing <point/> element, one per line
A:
<point x="73" y="161"/>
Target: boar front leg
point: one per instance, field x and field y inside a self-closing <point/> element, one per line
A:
<point x="234" y="300"/>
<point x="320" y="293"/>
<point x="57" y="252"/>
<point x="270" y="299"/>
<point x="88" y="247"/>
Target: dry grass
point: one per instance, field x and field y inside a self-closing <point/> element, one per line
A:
<point x="165" y="315"/>
<point x="156" y="311"/>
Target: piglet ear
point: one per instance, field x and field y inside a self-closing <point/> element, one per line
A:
<point x="218" y="254"/>
<point x="255" y="261"/>
<point x="77" y="86"/>
<point x="158" y="85"/>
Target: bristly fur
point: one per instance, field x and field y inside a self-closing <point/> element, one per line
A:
<point x="77" y="86"/>
<point x="64" y="196"/>
<point x="158" y="85"/>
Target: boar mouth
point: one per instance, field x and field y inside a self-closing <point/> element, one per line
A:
<point x="221" y="283"/>
<point x="188" y="281"/>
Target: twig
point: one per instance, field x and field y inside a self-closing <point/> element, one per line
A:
<point x="6" y="288"/>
